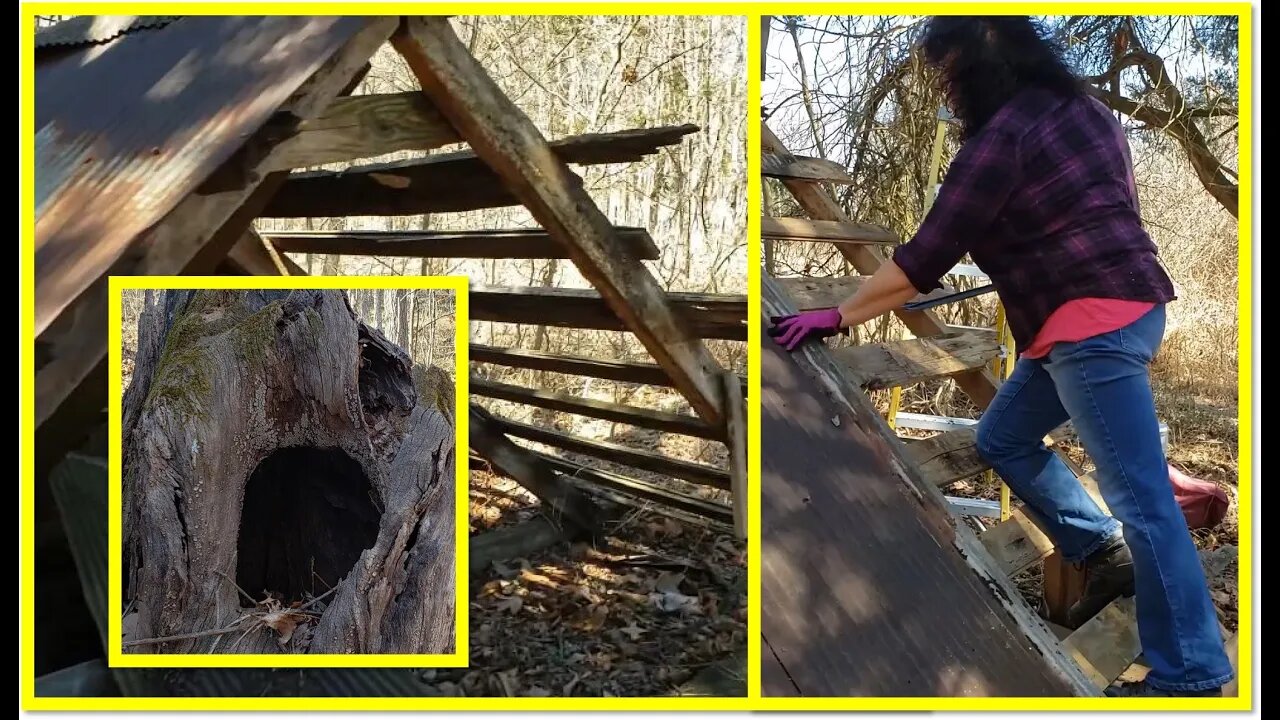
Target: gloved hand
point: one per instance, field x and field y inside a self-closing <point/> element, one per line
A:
<point x="791" y="330"/>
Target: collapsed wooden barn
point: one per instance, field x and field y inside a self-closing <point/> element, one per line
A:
<point x="160" y="140"/>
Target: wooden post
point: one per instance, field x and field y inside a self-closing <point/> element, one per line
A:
<point x="736" y="441"/>
<point x="1063" y="585"/>
<point x="507" y="140"/>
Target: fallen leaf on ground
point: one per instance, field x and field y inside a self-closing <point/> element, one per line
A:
<point x="283" y="623"/>
<point x="510" y="604"/>
<point x="592" y="618"/>
<point x="668" y="582"/>
<point x="674" y="602"/>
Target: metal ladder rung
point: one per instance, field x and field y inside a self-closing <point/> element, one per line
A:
<point x="920" y="421"/>
<point x="974" y="507"/>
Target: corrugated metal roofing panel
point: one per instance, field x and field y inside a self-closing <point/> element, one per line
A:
<point x="127" y="128"/>
<point x="92" y="29"/>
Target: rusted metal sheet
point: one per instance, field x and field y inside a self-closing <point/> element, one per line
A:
<point x="863" y="592"/>
<point x="126" y="128"/>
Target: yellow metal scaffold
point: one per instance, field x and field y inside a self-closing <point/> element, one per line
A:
<point x="1002" y="365"/>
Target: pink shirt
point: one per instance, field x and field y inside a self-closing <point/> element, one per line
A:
<point x="1084" y="318"/>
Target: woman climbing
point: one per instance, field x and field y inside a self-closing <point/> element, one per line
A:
<point x="1042" y="197"/>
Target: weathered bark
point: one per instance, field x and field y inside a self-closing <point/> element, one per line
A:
<point x="281" y="443"/>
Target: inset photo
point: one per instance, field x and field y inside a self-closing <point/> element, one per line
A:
<point x="286" y="490"/>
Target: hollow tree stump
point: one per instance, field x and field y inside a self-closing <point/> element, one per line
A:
<point x="274" y="440"/>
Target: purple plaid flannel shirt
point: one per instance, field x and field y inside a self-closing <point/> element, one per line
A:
<point x="1043" y="199"/>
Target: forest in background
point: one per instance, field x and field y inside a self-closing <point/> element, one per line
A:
<point x="419" y="321"/>
<point x="848" y="89"/>
<point x="591" y="74"/>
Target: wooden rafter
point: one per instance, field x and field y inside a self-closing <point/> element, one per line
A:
<point x="448" y="182"/>
<point x="643" y="373"/>
<point x="482" y="244"/>
<point x="703" y="314"/>
<point x="806" y="230"/>
<point x="502" y="136"/>
<point x="587" y="407"/>
<point x="696" y="473"/>
<point x="365" y="126"/>
<point x="565" y="505"/>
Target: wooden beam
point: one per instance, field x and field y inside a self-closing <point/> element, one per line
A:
<point x="736" y="441"/>
<point x="448" y="182"/>
<point x="73" y="421"/>
<point x="804" y="168"/>
<point x="642" y="489"/>
<point x="1107" y="644"/>
<point x="1017" y="543"/>
<point x="482" y="244"/>
<point x="182" y="240"/>
<point x="640" y="373"/>
<point x="365" y="126"/>
<point x="979" y="385"/>
<point x="616" y="370"/>
<point x="947" y="457"/>
<point x="815" y="293"/>
<point x="806" y="230"/>
<point x="564" y="504"/>
<point x="68" y="350"/>
<point x="696" y="473"/>
<point x="907" y="362"/>
<point x="252" y="256"/>
<point x="612" y="499"/>
<point x="702" y="315"/>
<point x="512" y="541"/>
<point x="569" y="403"/>
<point x="509" y="143"/>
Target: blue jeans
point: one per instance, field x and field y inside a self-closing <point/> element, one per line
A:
<point x="1102" y="385"/>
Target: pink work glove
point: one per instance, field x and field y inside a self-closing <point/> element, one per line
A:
<point x="791" y="330"/>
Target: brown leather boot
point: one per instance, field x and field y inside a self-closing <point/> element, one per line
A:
<point x="1108" y="575"/>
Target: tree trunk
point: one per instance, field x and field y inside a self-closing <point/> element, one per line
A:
<point x="282" y="445"/>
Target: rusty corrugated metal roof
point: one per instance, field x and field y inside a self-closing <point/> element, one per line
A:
<point x="94" y="29"/>
<point x="128" y="127"/>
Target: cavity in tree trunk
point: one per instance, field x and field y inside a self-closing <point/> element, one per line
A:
<point x="278" y="444"/>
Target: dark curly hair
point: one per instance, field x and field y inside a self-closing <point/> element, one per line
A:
<point x="986" y="60"/>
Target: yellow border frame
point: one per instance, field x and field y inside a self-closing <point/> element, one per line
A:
<point x="456" y="284"/>
<point x="1244" y="701"/>
<point x="751" y="11"/>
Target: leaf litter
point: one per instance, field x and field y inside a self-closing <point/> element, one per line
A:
<point x="638" y="614"/>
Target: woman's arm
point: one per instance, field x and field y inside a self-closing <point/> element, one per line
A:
<point x="979" y="183"/>
<point x="887" y="290"/>
<point x="883" y="292"/>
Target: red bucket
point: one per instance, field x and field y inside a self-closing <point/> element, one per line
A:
<point x="1203" y="503"/>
